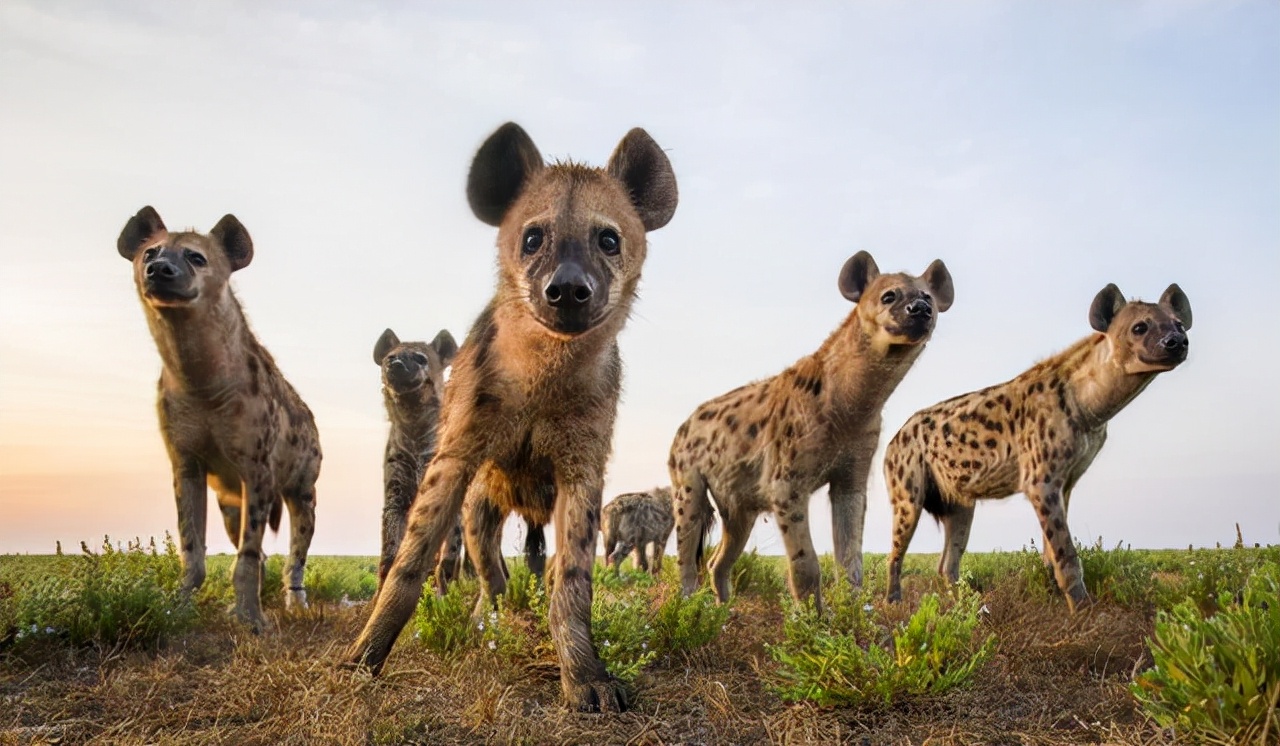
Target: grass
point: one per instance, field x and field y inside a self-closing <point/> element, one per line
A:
<point x="1008" y="663"/>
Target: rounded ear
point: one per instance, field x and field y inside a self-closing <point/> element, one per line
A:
<point x="235" y="241"/>
<point x="1175" y="302"/>
<point x="444" y="346"/>
<point x="644" y="170"/>
<point x="1106" y="304"/>
<point x="858" y="272"/>
<point x="386" y="343"/>
<point x="141" y="230"/>
<point x="502" y="166"/>
<point x="938" y="279"/>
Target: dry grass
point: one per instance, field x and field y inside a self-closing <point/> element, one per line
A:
<point x="1056" y="679"/>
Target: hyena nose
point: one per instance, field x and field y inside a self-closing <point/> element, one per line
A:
<point x="396" y="363"/>
<point x="162" y="269"/>
<point x="1174" y="341"/>
<point x="570" y="287"/>
<point x="920" y="307"/>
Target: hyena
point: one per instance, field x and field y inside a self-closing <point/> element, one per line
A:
<point x="229" y="419"/>
<point x="412" y="382"/>
<point x="633" y="521"/>
<point x="527" y="419"/>
<point x="769" y="445"/>
<point x="1035" y="434"/>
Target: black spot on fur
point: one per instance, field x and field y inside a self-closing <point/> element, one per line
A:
<point x="752" y="430"/>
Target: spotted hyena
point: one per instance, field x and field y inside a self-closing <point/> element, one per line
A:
<point x="413" y="376"/>
<point x="527" y="420"/>
<point x="634" y="520"/>
<point x="1035" y="434"/>
<point x="769" y="445"/>
<point x="229" y="419"/>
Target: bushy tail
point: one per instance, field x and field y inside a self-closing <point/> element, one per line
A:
<point x="277" y="508"/>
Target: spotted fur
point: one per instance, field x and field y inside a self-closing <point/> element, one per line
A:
<point x="635" y="520"/>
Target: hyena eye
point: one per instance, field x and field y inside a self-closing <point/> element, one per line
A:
<point x="419" y="358"/>
<point x="609" y="242"/>
<point x="532" y="240"/>
<point x="888" y="297"/>
<point x="149" y="254"/>
<point x="1178" y="325"/>
<point x="197" y="260"/>
<point x="1140" y="328"/>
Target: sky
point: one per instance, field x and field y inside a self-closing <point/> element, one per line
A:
<point x="1042" y="150"/>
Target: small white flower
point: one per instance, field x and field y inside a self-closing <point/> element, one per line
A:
<point x="606" y="643"/>
<point x="480" y="626"/>
<point x="493" y="645"/>
<point x="984" y="610"/>
<point x="49" y="630"/>
<point x="644" y="646"/>
<point x="867" y="607"/>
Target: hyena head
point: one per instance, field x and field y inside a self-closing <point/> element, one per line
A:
<point x="571" y="238"/>
<point x="182" y="270"/>
<point x="896" y="308"/>
<point x="1144" y="337"/>
<point x="411" y="366"/>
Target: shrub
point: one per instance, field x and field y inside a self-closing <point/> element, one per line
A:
<point x="681" y="624"/>
<point x="621" y="634"/>
<point x="935" y="650"/>
<point x="332" y="580"/>
<point x="1121" y="575"/>
<point x="757" y="575"/>
<point x="115" y="597"/>
<point x="443" y="623"/>
<point x="1217" y="678"/>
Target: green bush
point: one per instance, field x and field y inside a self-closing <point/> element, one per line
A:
<point x="687" y="623"/>
<point x="217" y="589"/>
<point x="990" y="570"/>
<point x="1120" y="574"/>
<point x="935" y="650"/>
<point x="127" y="596"/>
<point x="757" y="575"/>
<point x="1217" y="678"/>
<point x="329" y="579"/>
<point x="443" y="623"/>
<point x="621" y="630"/>
<point x="1211" y="574"/>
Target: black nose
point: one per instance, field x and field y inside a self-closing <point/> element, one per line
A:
<point x="570" y="287"/>
<point x="1174" y="341"/>
<point x="162" y="269"/>
<point x="395" y="362"/>
<point x="920" y="307"/>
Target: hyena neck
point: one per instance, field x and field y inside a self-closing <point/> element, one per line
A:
<point x="858" y="373"/>
<point x="1098" y="383"/>
<point x="413" y="415"/>
<point x="205" y="349"/>
<point x="533" y="355"/>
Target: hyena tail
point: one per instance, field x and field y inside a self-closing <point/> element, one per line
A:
<point x="934" y="503"/>
<point x="277" y="508"/>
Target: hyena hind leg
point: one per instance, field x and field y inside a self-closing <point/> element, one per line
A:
<point x="302" y="527"/>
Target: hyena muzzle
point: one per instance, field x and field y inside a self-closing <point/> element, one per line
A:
<point x="229" y="419"/>
<point x="527" y="419"/>
<point x="1035" y="434"/>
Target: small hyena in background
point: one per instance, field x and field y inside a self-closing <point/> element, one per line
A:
<point x="412" y="383"/>
<point x="229" y="419"/>
<point x="527" y="420"/>
<point x="769" y="445"/>
<point x="1035" y="434"/>
<point x="634" y="520"/>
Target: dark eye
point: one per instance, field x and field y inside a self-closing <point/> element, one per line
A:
<point x="532" y="240"/>
<point x="1140" y="328"/>
<point x="419" y="358"/>
<point x="197" y="260"/>
<point x="1178" y="325"/>
<point x="888" y="297"/>
<point x="149" y="254"/>
<point x="609" y="242"/>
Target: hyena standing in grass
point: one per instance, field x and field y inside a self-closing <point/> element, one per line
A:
<point x="528" y="414"/>
<point x="229" y="419"/>
<point x="634" y="520"/>
<point x="1035" y="434"/>
<point x="769" y="445"/>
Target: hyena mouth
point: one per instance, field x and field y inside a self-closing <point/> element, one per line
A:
<point x="162" y="294"/>
<point x="571" y="322"/>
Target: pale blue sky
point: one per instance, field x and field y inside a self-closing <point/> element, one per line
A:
<point x="1041" y="149"/>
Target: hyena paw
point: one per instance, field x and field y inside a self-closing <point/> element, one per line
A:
<point x="295" y="600"/>
<point x="607" y="695"/>
<point x="251" y="618"/>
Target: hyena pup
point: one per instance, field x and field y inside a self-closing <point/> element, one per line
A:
<point x="229" y="419"/>
<point x="634" y="520"/>
<point x="529" y="410"/>
<point x="769" y="445"/>
<point x="412" y="382"/>
<point x="1035" y="434"/>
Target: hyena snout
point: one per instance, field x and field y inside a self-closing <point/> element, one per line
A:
<point x="920" y="308"/>
<point x="165" y="277"/>
<point x="570" y="287"/>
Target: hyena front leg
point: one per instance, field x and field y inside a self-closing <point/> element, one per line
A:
<point x="246" y="578"/>
<point x="587" y="686"/>
<point x="1046" y="498"/>
<point x="192" y="496"/>
<point x="302" y="526"/>
<point x="443" y="488"/>
<point x="400" y="487"/>
<point x="792" y="511"/>
<point x="848" y="492"/>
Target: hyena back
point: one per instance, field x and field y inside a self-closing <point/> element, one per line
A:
<point x="1035" y="434"/>
<point x="527" y="419"/>
<point x="229" y="419"/>
<point x="634" y="520"/>
<point x="769" y="445"/>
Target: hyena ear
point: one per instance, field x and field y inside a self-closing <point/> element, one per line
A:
<point x="386" y="343"/>
<point x="1175" y="302"/>
<point x="938" y="279"/>
<point x="142" y="229"/>
<point x="235" y="241"/>
<point x="1106" y="304"/>
<point x="445" y="346"/>
<point x="856" y="274"/>
<point x="502" y="166"/>
<point x="644" y="170"/>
